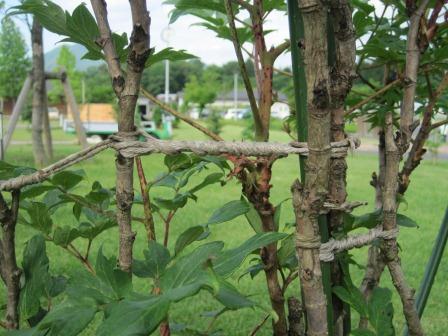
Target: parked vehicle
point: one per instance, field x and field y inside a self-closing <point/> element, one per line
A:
<point x="236" y="113"/>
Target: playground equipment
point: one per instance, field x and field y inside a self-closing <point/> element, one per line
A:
<point x="21" y="100"/>
<point x="76" y="124"/>
<point x="100" y="120"/>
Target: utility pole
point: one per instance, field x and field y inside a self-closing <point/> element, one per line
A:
<point x="235" y="90"/>
<point x="1" y="130"/>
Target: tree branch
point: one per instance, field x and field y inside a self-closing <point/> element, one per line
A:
<point x="417" y="150"/>
<point x="181" y="116"/>
<point x="149" y="220"/>
<point x="278" y="50"/>
<point x="242" y="65"/>
<point x="10" y="272"/>
<point x="106" y="43"/>
<point x="373" y="96"/>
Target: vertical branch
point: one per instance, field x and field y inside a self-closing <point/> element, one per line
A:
<point x="242" y="65"/>
<point x="126" y="91"/>
<point x="9" y="270"/>
<point x="308" y="198"/>
<point x="395" y="148"/>
<point x="342" y="75"/>
<point x="417" y="149"/>
<point x="39" y="98"/>
<point x="410" y="75"/>
<point x="375" y="263"/>
<point x="149" y="220"/>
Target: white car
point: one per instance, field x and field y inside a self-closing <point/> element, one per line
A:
<point x="236" y="113"/>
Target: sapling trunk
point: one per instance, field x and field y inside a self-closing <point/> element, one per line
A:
<point x="342" y="75"/>
<point x="39" y="92"/>
<point x="9" y="270"/>
<point x="126" y="88"/>
<point x="308" y="198"/>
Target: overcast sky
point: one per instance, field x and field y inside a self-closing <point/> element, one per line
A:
<point x="185" y="35"/>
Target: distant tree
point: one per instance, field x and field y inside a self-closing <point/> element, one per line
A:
<point x="154" y="77"/>
<point x="97" y="85"/>
<point x="66" y="61"/>
<point x="14" y="62"/>
<point x="202" y="90"/>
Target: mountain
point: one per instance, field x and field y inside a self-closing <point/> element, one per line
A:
<point x="76" y="49"/>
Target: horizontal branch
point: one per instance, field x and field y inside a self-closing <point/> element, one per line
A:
<point x="132" y="149"/>
<point x="43" y="174"/>
<point x="439" y="123"/>
<point x="129" y="148"/>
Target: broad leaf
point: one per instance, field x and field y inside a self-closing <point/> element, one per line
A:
<point x="39" y="216"/>
<point x="35" y="266"/>
<point x="157" y="258"/>
<point x="134" y="317"/>
<point x="107" y="271"/>
<point x="228" y="212"/>
<point x="230" y="260"/>
<point x="67" y="320"/>
<point x="168" y="54"/>
<point x="63" y="236"/>
<point x="189" y="274"/>
<point x="187" y="237"/>
<point x="381" y="311"/>
<point x="67" y="179"/>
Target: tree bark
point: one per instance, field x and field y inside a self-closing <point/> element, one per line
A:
<point x="126" y="90"/>
<point x="39" y="99"/>
<point x="48" y="144"/>
<point x="308" y="199"/>
<point x="9" y="270"/>
<point x="342" y="75"/>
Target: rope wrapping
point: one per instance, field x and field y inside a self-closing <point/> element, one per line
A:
<point x="330" y="248"/>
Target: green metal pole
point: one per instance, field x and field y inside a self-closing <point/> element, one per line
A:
<point x="296" y="31"/>
<point x="431" y="267"/>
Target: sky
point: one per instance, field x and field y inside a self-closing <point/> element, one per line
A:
<point x="183" y="34"/>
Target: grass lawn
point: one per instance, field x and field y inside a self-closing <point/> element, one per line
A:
<point x="427" y="198"/>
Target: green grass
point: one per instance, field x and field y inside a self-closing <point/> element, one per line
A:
<point x="427" y="198"/>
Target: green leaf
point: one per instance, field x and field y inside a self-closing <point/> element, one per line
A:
<point x="209" y="179"/>
<point x="157" y="258"/>
<point x="188" y="274"/>
<point x="405" y="221"/>
<point x="277" y="215"/>
<point x="56" y="285"/>
<point x="380" y="311"/>
<point x="63" y="236"/>
<point x="228" y="261"/>
<point x="177" y="161"/>
<point x="369" y="220"/>
<point x="362" y="332"/>
<point x="67" y="320"/>
<point x="39" y="216"/>
<point x="228" y="212"/>
<point x="134" y="317"/>
<point x="187" y="237"/>
<point x="35" y="267"/>
<point x="253" y="218"/>
<point x="287" y="252"/>
<point x="353" y="297"/>
<point x="106" y="270"/>
<point x="67" y="179"/>
<point x="229" y="296"/>
<point x="177" y="202"/>
<point x="34" y="191"/>
<point x="96" y="226"/>
<point x="168" y="54"/>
